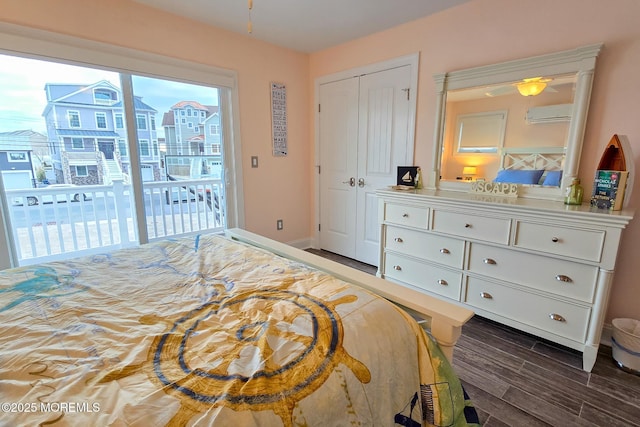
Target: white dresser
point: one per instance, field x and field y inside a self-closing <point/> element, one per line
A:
<point x="537" y="265"/>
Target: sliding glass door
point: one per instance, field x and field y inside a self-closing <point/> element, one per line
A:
<point x="92" y="159"/>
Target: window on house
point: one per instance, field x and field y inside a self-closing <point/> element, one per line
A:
<point x="141" y="121"/>
<point x="18" y="156"/>
<point x="153" y="123"/>
<point x="77" y="143"/>
<point x="215" y="148"/>
<point x="119" y="121"/>
<point x="214" y="129"/>
<point x="144" y="147"/>
<point x="101" y="120"/>
<point x="156" y="153"/>
<point x="74" y="119"/>
<point x="105" y="96"/>
<point x="183" y="121"/>
<point x="122" y="147"/>
<point x="82" y="171"/>
<point x="197" y="129"/>
<point x="190" y="125"/>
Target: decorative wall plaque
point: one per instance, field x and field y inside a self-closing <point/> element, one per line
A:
<point x="279" y="118"/>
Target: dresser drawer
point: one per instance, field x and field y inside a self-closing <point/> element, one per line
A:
<point x="471" y="226"/>
<point x="558" y="317"/>
<point x="571" y="242"/>
<point x="443" y="250"/>
<point x="422" y="275"/>
<point x="546" y="274"/>
<point x="411" y="216"/>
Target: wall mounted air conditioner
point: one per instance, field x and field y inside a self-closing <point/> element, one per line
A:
<point x="549" y="114"/>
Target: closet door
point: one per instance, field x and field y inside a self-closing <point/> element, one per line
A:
<point x="338" y="129"/>
<point x="383" y="144"/>
<point x="364" y="134"/>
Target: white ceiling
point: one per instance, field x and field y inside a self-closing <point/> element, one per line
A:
<point x="304" y="25"/>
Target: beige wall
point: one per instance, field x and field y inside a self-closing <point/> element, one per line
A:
<point x="476" y="33"/>
<point x="483" y="32"/>
<point x="272" y="191"/>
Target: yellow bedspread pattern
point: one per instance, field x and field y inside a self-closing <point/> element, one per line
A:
<point x="205" y="331"/>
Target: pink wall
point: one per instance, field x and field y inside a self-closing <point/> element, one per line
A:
<point x="483" y="32"/>
<point x="272" y="191"/>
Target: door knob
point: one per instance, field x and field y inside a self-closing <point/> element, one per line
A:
<point x="351" y="182"/>
<point x="361" y="182"/>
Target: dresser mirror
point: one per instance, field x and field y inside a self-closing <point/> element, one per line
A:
<point x="519" y="121"/>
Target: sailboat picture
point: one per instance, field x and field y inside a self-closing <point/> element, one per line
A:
<point x="407" y="175"/>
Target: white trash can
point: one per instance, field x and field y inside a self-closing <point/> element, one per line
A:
<point x="626" y="344"/>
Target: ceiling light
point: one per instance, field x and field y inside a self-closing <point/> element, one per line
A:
<point x="532" y="87"/>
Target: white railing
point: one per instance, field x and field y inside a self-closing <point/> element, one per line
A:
<point x="51" y="223"/>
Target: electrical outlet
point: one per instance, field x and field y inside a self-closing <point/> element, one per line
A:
<point x="279" y="224"/>
<point x="254" y="161"/>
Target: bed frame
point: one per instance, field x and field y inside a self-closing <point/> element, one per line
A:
<point x="442" y="319"/>
<point x="550" y="158"/>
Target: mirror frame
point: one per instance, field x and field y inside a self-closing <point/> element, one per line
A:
<point x="580" y="61"/>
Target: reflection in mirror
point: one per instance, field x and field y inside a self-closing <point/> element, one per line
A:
<point x="525" y="115"/>
<point x="479" y="132"/>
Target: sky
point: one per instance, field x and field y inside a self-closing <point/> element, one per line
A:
<point x="22" y="96"/>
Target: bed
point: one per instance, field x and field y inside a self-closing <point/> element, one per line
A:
<point x="222" y="330"/>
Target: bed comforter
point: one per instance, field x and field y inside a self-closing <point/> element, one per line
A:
<point x="206" y="331"/>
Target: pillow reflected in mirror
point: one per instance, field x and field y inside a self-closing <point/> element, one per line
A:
<point x="552" y="179"/>
<point x="519" y="176"/>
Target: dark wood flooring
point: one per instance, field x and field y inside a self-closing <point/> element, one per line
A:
<point x="516" y="379"/>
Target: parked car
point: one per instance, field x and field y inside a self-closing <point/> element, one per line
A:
<point x="33" y="200"/>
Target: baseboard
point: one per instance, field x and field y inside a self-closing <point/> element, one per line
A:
<point x="301" y="243"/>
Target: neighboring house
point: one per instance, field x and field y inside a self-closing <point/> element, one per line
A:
<point x="22" y="152"/>
<point x="87" y="137"/>
<point x="193" y="140"/>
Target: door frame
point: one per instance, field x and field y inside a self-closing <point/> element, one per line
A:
<point x="412" y="60"/>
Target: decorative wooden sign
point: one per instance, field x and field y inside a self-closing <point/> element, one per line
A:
<point x="279" y="118"/>
<point x="495" y="188"/>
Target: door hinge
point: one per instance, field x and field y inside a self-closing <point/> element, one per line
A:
<point x="408" y="90"/>
<point x="318" y="169"/>
<point x="319" y="227"/>
<point x="318" y="108"/>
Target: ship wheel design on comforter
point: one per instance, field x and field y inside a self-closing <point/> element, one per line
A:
<point x="260" y="350"/>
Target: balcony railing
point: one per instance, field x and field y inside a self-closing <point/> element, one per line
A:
<point x="50" y="223"/>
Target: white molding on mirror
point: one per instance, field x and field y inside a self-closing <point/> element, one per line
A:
<point x="580" y="61"/>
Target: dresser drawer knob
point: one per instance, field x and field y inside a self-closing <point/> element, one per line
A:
<point x="467" y="226"/>
<point x="405" y="215"/>
<point x="444" y="251"/>
<point x="563" y="278"/>
<point x="486" y="295"/>
<point x="555" y="239"/>
<point x="397" y="267"/>
<point x="443" y="282"/>
<point x="557" y="317"/>
<point x="489" y="261"/>
<point x="398" y="240"/>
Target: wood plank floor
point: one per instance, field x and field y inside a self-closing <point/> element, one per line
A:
<point x="516" y="379"/>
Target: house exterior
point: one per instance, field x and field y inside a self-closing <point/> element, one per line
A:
<point x="193" y="140"/>
<point x="22" y="152"/>
<point x="87" y="137"/>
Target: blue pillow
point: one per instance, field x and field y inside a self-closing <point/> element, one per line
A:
<point x="516" y="176"/>
<point x="553" y="178"/>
